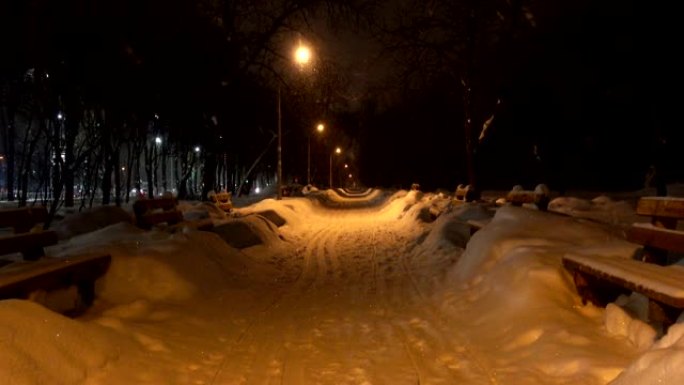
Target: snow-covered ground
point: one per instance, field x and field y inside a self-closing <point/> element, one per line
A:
<point x="379" y="289"/>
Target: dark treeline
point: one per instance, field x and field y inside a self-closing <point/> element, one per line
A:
<point x="104" y="99"/>
<point x="575" y="94"/>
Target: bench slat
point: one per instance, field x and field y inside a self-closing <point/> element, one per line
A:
<point x="668" y="207"/>
<point x="29" y="244"/>
<point x="52" y="274"/>
<point x="661" y="283"/>
<point x="22" y="219"/>
<point x="148" y="220"/>
<point x="144" y="205"/>
<point x="656" y="237"/>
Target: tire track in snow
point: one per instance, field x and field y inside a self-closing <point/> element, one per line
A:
<point x="304" y="280"/>
<point x="470" y="351"/>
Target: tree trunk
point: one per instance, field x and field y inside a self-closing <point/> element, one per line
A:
<point x="254" y="164"/>
<point x="108" y="159"/>
<point x="9" y="136"/>
<point x="117" y="177"/>
<point x="467" y="83"/>
<point x="71" y="127"/>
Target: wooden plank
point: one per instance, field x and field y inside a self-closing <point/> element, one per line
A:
<point x="19" y="281"/>
<point x="20" y="275"/>
<point x="22" y="219"/>
<point x="668" y="207"/>
<point x="29" y="244"/>
<point x="148" y="220"/>
<point x="623" y="273"/>
<point x="142" y="206"/>
<point x="656" y="237"/>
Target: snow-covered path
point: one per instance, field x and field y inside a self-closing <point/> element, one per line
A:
<point x="349" y="291"/>
<point x="357" y="311"/>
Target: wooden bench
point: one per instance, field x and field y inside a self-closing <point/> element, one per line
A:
<point x="151" y="212"/>
<point x="223" y="200"/>
<point x="43" y="279"/>
<point x="539" y="196"/>
<point x="26" y="238"/>
<point x="464" y="193"/>
<point x="602" y="280"/>
<point x="49" y="281"/>
<point x="660" y="236"/>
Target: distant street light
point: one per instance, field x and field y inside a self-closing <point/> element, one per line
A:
<point x="158" y="140"/>
<point x="302" y="56"/>
<point x="338" y="151"/>
<point x="197" y="149"/>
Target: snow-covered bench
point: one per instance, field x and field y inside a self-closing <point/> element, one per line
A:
<point x="151" y="212"/>
<point x="539" y="196"/>
<point x="601" y="280"/>
<point x="23" y="239"/>
<point x="223" y="200"/>
<point x="66" y="285"/>
<point x="661" y="235"/>
<point x="464" y="193"/>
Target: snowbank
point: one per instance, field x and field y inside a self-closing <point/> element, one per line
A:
<point x="392" y="291"/>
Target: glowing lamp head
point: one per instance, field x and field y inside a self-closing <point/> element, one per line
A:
<point x="158" y="140"/>
<point x="320" y="127"/>
<point x="338" y="151"/>
<point x="302" y="55"/>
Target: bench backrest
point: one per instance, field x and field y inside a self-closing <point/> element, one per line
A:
<point x="539" y="196"/>
<point x="23" y="219"/>
<point x="661" y="235"/>
<point x="29" y="244"/>
<point x="464" y="193"/>
<point x="149" y="212"/>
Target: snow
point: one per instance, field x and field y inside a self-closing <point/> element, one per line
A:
<point x="374" y="288"/>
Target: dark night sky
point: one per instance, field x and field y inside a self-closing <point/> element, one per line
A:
<point x="594" y="86"/>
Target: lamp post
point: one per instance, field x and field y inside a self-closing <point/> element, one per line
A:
<point x="319" y="128"/>
<point x="302" y="56"/>
<point x="338" y="151"/>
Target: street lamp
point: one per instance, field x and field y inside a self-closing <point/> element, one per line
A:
<point x="319" y="128"/>
<point x="302" y="56"/>
<point x="338" y="151"/>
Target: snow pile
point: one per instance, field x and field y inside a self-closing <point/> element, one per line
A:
<point x="381" y="293"/>
<point x="600" y="209"/>
<point x="662" y="364"/>
<point x="248" y="231"/>
<point x="201" y="210"/>
<point x="38" y="346"/>
<point x="90" y="220"/>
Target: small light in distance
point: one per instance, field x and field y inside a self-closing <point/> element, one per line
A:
<point x="320" y="127"/>
<point x="60" y="116"/>
<point x="197" y="149"/>
<point x="346" y="166"/>
<point x="350" y="175"/>
<point x="338" y="150"/>
<point x="257" y="190"/>
<point x="158" y="140"/>
<point x="123" y="168"/>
